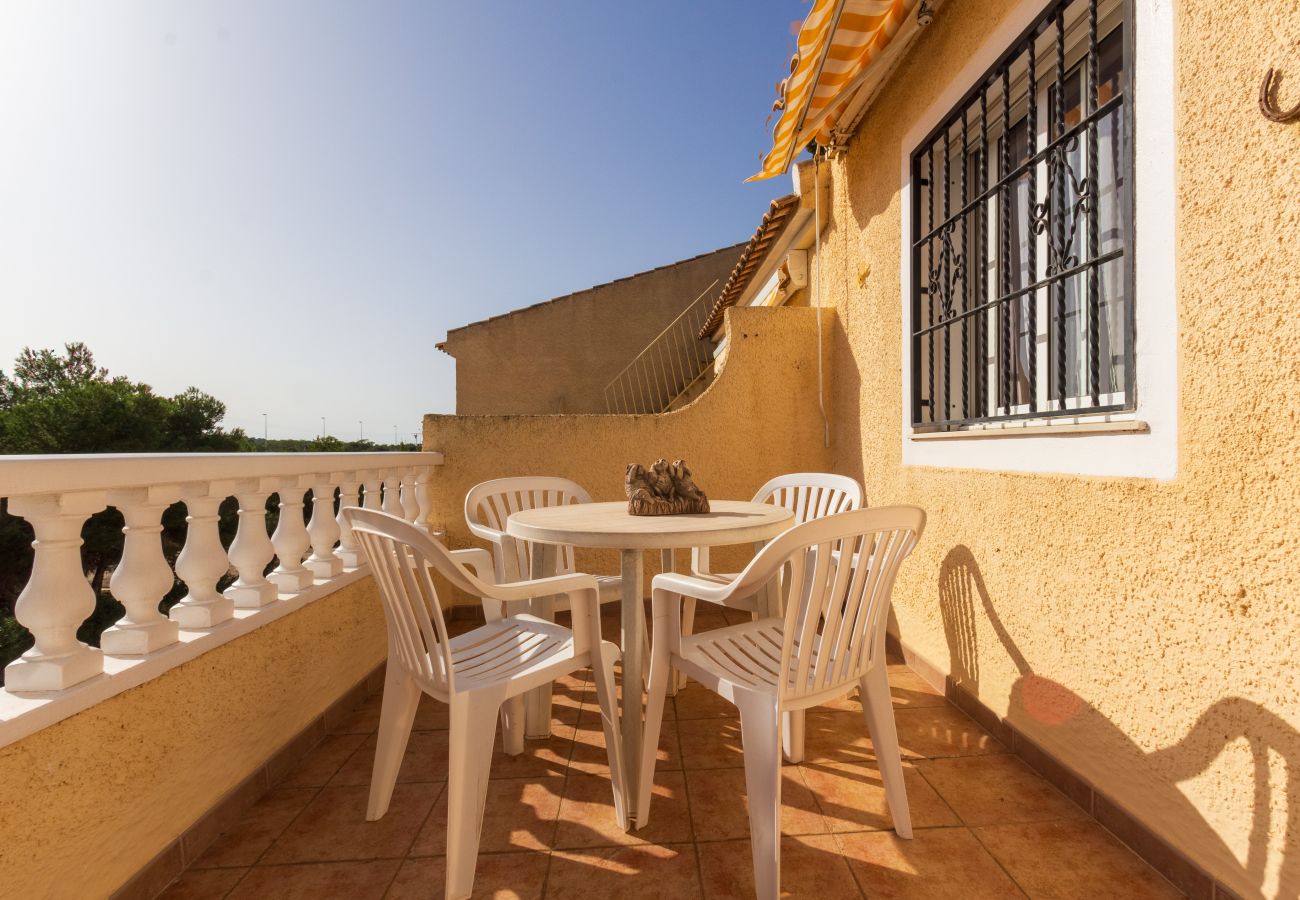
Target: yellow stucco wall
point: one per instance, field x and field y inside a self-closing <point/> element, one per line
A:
<point x="89" y="801"/>
<point x="1145" y="632"/>
<point x="545" y="358"/>
<point x="758" y="419"/>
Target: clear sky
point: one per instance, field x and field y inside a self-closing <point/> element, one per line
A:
<point x="287" y="203"/>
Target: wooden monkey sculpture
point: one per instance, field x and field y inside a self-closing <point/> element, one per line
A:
<point x="663" y="489"/>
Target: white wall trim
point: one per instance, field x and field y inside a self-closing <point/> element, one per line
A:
<point x="1150" y="454"/>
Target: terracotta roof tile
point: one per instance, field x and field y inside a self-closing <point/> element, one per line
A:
<point x="774" y="222"/>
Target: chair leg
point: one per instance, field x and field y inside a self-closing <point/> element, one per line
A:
<point x="602" y="671"/>
<point x="512" y="726"/>
<point x="473" y="728"/>
<point x="661" y="671"/>
<point x="760" y="736"/>
<point x="396" y="716"/>
<point x="688" y="628"/>
<point x="878" y="707"/>
<point x="792" y="733"/>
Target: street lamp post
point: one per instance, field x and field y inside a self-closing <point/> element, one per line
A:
<point x="361" y="426"/>
<point x="263" y="426"/>
<point x="322" y="426"/>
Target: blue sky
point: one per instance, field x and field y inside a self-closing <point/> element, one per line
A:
<point x="288" y="203"/>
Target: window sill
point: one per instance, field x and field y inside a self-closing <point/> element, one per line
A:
<point x="1013" y="430"/>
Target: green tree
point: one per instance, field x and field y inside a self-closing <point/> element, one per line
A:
<point x="66" y="403"/>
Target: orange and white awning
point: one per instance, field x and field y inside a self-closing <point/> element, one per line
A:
<point x="838" y="41"/>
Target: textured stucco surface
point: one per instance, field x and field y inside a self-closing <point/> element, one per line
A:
<point x="1145" y="632"/>
<point x="557" y="356"/>
<point x="89" y="801"/>
<point x="758" y="419"/>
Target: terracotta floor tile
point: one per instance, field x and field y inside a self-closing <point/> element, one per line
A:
<point x="501" y="876"/>
<point x="590" y="756"/>
<point x="938" y="731"/>
<point x="698" y="702"/>
<point x="937" y="864"/>
<point x="1068" y="860"/>
<point x="836" y="735"/>
<point x="996" y="790"/>
<point x="911" y="690"/>
<point x="203" y="884"/>
<point x="425" y="760"/>
<point x="257" y="830"/>
<point x="710" y="743"/>
<point x="353" y="880"/>
<point x="364" y="719"/>
<point x="811" y="867"/>
<point x="334" y="826"/>
<point x="541" y="758"/>
<point x="641" y="872"/>
<point x="908" y="690"/>
<point x="852" y="798"/>
<point x="319" y="766"/>
<point x="431" y="715"/>
<point x="519" y="814"/>
<point x="720" y="809"/>
<point x="587" y="814"/>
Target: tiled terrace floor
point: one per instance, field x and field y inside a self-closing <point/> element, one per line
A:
<point x="985" y="824"/>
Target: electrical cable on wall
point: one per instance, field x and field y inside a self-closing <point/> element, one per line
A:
<point x="817" y="293"/>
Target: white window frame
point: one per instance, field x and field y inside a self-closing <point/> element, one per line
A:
<point x="1139" y="444"/>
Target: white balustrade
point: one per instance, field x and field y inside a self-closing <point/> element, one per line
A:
<point x="349" y="550"/>
<point x="410" y="506"/>
<point x="291" y="540"/>
<point x="372" y="483"/>
<point x="57" y="494"/>
<point x="203" y="560"/>
<point x="57" y="598"/>
<point x="142" y="576"/>
<point x="251" y="550"/>
<point x="323" y="531"/>
<point x="392" y="494"/>
<point x="422" y="499"/>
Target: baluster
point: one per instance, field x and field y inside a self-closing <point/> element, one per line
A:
<point x="348" y="550"/>
<point x="323" y="529"/>
<point x="373" y="480"/>
<point x="142" y="577"/>
<point x="251" y="550"/>
<point x="203" y="560"/>
<point x="57" y="597"/>
<point x="422" y="498"/>
<point x="410" y="507"/>
<point x="392" y="501"/>
<point x="291" y="540"/>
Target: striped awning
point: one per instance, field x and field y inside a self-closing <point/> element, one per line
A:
<point x="837" y="42"/>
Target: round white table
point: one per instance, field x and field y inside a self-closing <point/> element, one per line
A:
<point x="610" y="526"/>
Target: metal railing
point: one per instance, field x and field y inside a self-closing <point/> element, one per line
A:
<point x="668" y="365"/>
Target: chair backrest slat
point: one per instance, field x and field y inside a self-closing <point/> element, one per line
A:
<point x="812" y="495"/>
<point x="491" y="503"/>
<point x="401" y="561"/>
<point x="840" y="573"/>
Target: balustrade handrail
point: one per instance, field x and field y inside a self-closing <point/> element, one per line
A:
<point x="57" y="473"/>
<point x="57" y="494"/>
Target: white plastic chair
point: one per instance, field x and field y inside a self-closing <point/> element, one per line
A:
<point x="809" y="495"/>
<point x="830" y="640"/>
<point x="474" y="673"/>
<point x="490" y="503"/>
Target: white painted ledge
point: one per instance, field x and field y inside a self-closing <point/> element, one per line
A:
<point x="22" y="714"/>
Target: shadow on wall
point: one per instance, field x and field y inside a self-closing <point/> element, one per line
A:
<point x="1052" y="707"/>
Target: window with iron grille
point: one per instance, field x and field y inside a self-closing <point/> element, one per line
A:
<point x="1022" y="299"/>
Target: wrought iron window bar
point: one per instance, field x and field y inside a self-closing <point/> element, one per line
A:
<point x="951" y="301"/>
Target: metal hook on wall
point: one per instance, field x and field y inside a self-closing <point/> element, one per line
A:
<point x="1268" y="101"/>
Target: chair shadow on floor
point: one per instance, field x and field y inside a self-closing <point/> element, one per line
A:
<point x="1051" y="713"/>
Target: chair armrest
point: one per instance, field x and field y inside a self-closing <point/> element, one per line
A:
<point x="708" y="590"/>
<point x="479" y="560"/>
<point x="491" y="535"/>
<point x="541" y="587"/>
